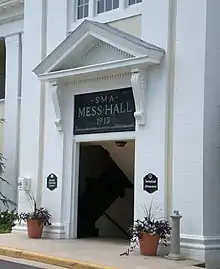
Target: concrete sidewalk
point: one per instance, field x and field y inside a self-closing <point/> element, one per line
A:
<point x="82" y="254"/>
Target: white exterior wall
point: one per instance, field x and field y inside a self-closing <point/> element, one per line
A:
<point x="180" y="141"/>
<point x="131" y="25"/>
<point x="195" y="128"/>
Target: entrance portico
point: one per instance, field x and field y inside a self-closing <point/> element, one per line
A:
<point x="95" y="57"/>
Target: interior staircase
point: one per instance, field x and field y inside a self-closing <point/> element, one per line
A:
<point x="99" y="194"/>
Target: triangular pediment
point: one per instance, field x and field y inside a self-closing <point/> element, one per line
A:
<point x="97" y="52"/>
<point x="94" y="43"/>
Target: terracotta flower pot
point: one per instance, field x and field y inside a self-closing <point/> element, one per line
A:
<point x="149" y="244"/>
<point x="34" y="228"/>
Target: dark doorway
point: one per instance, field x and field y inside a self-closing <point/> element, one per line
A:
<point x="106" y="190"/>
<point x="2" y="69"/>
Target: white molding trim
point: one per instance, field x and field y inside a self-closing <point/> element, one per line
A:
<point x="98" y="77"/>
<point x="11" y="28"/>
<point x="139" y="86"/>
<point x="101" y="44"/>
<point x="56" y="103"/>
<point x="197" y="247"/>
<point x="55" y="231"/>
<point x="144" y="61"/>
<point x="11" y="10"/>
<point x="104" y="137"/>
<point x="12" y="40"/>
<point x="200" y="242"/>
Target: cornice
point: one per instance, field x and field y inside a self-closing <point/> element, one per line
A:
<point x="11" y="10"/>
<point x="110" y="77"/>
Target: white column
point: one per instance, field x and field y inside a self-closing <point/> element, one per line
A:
<point x="53" y="162"/>
<point x="54" y="136"/>
<point x="11" y="114"/>
<point x="32" y="102"/>
<point x="122" y="4"/>
<point x="188" y="162"/>
<point x="211" y="144"/>
<point x="151" y="140"/>
<point x="92" y="9"/>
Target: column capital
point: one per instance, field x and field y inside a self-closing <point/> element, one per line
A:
<point x="14" y="39"/>
<point x="139" y="87"/>
<point x="56" y="103"/>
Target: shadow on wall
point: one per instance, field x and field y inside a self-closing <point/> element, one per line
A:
<point x="124" y="157"/>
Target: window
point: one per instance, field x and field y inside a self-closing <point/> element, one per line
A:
<point x="132" y="2"/>
<point x="82" y="9"/>
<point x="106" y="5"/>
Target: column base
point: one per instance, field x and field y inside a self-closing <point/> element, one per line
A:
<point x="55" y="231"/>
<point x="202" y="248"/>
<point x="175" y="257"/>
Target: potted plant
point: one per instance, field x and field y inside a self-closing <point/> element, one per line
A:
<point x="36" y="220"/>
<point x="147" y="233"/>
<point x="7" y="220"/>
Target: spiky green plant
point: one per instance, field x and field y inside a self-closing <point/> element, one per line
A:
<point x="151" y="223"/>
<point x="3" y="199"/>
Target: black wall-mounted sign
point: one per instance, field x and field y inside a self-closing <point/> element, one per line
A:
<point x="105" y="111"/>
<point x="150" y="183"/>
<point x="52" y="182"/>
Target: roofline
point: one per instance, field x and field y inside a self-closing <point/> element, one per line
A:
<point x="143" y="61"/>
<point x="131" y="45"/>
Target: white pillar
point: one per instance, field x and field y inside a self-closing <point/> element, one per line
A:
<point x="188" y="162"/>
<point x="151" y="139"/>
<point x="53" y="162"/>
<point x="211" y="144"/>
<point x="11" y="114"/>
<point x="32" y="102"/>
<point x="54" y="136"/>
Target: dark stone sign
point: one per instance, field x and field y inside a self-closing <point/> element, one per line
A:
<point x="105" y="111"/>
<point x="52" y="182"/>
<point x="150" y="183"/>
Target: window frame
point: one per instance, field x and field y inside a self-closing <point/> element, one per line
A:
<point x="124" y="11"/>
<point x="77" y="7"/>
<point x="105" y="11"/>
<point x="127" y="3"/>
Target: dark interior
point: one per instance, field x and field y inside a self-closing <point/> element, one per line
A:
<point x="97" y="194"/>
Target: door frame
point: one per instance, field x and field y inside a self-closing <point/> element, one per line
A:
<point x="77" y="139"/>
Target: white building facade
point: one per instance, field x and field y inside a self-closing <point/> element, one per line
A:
<point x="165" y="52"/>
